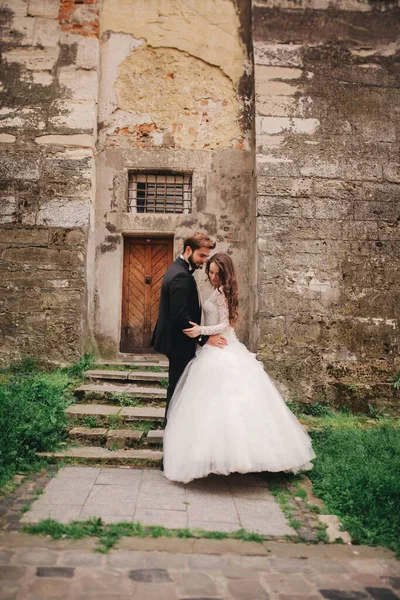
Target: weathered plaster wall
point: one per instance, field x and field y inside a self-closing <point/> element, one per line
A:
<point x="327" y="142"/>
<point x="48" y="94"/>
<point x="175" y="93"/>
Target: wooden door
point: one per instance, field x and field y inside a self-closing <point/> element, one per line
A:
<point x="145" y="262"/>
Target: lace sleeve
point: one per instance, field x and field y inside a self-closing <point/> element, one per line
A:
<point x="223" y="317"/>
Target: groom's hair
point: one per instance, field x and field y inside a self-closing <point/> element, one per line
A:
<point x="198" y="240"/>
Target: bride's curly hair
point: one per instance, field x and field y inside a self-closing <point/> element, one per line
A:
<point x="228" y="282"/>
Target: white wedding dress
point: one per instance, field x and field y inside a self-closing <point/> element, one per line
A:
<point x="226" y="415"/>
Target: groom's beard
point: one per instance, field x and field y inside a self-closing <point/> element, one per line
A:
<point x="193" y="264"/>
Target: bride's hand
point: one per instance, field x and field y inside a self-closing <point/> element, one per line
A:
<point x="194" y="331"/>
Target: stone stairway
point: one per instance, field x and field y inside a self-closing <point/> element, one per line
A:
<point x="118" y="413"/>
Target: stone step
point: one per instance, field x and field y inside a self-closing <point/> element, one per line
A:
<point x="109" y="391"/>
<point x="104" y="455"/>
<point x="105" y="374"/>
<point x="155" y="436"/>
<point x="98" y="436"/>
<point x="140" y="360"/>
<point x="103" y="412"/>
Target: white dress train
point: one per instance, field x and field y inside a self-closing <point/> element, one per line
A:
<point x="226" y="415"/>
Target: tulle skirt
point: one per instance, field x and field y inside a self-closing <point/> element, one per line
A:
<point x="227" y="416"/>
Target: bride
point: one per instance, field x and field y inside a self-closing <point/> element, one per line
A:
<point x="226" y="415"/>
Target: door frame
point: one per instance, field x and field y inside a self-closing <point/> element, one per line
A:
<point x="132" y="238"/>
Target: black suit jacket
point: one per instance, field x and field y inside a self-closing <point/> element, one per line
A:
<point x="179" y="304"/>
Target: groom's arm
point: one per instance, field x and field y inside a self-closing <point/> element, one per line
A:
<point x="179" y="292"/>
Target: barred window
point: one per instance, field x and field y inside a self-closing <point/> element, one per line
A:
<point x="160" y="193"/>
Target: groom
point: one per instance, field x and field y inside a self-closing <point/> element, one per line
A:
<point x="180" y="304"/>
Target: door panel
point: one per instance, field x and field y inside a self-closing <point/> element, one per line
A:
<point x="145" y="263"/>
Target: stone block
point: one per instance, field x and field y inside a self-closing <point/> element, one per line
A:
<point x="69" y="172"/>
<point x="284" y="106"/>
<point x="278" y="55"/>
<point x="75" y="115"/>
<point x="19" y="31"/>
<point x="21" y="236"/>
<point x="46" y="32"/>
<point x="7" y="138"/>
<point x="377" y="211"/>
<point x="247" y="589"/>
<point x="22" y="118"/>
<point x="43" y="256"/>
<point x="33" y="59"/>
<point x="274" y="125"/>
<point x="78" y="140"/>
<point x="47" y="9"/>
<point x="196" y="584"/>
<point x="80" y="83"/>
<point x="391" y="172"/>
<point x="88" y="53"/>
<point x="8" y="207"/>
<point x="336" y="189"/>
<point x="64" y="212"/>
<point x="150" y="575"/>
<point x="284" y="186"/>
<point x="17" y="7"/>
<point x="172" y="519"/>
<point x="24" y="165"/>
<point x="42" y="78"/>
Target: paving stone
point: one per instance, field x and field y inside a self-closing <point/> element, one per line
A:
<point x="115" y="476"/>
<point x="158" y="499"/>
<point x="153" y="591"/>
<point x="5" y="557"/>
<point x="172" y="519"/>
<point x="82" y="559"/>
<point x="72" y="497"/>
<point x="247" y="589"/>
<point x="393" y="581"/>
<point x="36" y="557"/>
<point x="166" y="560"/>
<point x="11" y="573"/>
<point x="65" y="514"/>
<point x="8" y="591"/>
<point x="368" y="565"/>
<point x="150" y="575"/>
<point x="290" y="565"/>
<point x="365" y="579"/>
<point x="287" y="583"/>
<point x="85" y="473"/>
<point x="50" y="588"/>
<point x="213" y="526"/>
<point x="102" y="584"/>
<point x="66" y="572"/>
<point x="211" y="507"/>
<point x="342" y="595"/>
<point x="207" y="562"/>
<point x="126" y="560"/>
<point x="198" y="584"/>
<point x="298" y="597"/>
<point x="379" y="593"/>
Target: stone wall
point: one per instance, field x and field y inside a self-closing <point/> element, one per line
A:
<point x="327" y="146"/>
<point x="175" y="94"/>
<point x="48" y="94"/>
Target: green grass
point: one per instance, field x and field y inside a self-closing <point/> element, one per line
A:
<point x="356" y="473"/>
<point x="109" y="535"/>
<point x="32" y="413"/>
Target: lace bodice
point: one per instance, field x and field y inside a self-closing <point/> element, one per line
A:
<point x="216" y="314"/>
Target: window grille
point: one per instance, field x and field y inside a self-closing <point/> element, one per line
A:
<point x="160" y="193"/>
